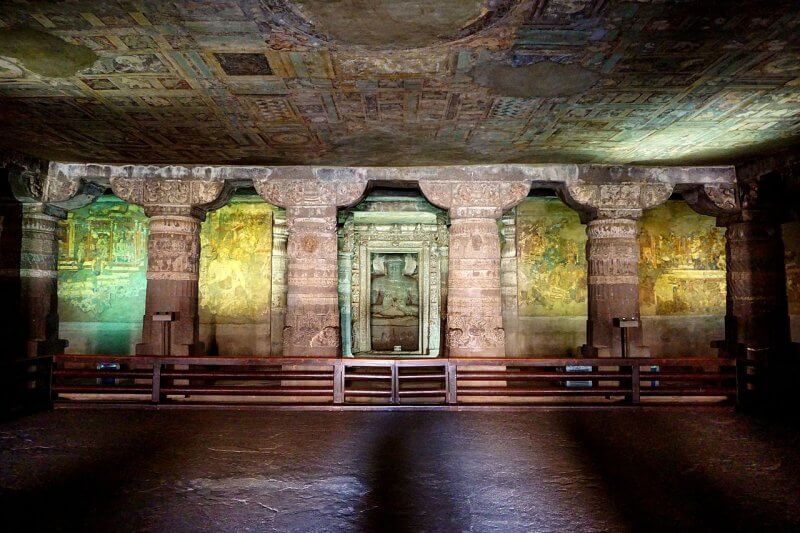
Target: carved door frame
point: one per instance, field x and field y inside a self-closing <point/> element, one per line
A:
<point x="422" y="241"/>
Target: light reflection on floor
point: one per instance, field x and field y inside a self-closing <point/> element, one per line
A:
<point x="543" y="470"/>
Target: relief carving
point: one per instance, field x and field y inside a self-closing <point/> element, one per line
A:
<point x="614" y="200"/>
<point x="474" y="320"/>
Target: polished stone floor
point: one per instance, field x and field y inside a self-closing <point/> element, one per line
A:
<point x="545" y="470"/>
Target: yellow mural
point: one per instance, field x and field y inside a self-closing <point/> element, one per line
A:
<point x="681" y="268"/>
<point x="791" y="239"/>
<point x="682" y="262"/>
<point x="236" y="263"/>
<point x="551" y="259"/>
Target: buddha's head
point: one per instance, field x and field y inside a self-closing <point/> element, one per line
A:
<point x="394" y="266"/>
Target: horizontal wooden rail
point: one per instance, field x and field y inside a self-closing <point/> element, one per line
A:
<point x="330" y="380"/>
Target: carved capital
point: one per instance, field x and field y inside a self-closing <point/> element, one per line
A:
<point x="298" y="192"/>
<point x="32" y="183"/>
<point x="475" y="199"/>
<point x="172" y="196"/>
<point x="614" y="200"/>
<point x="713" y="199"/>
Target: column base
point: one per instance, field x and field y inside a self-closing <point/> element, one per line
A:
<point x="35" y="348"/>
<point x="177" y="350"/>
<point x="314" y="351"/>
<point x="594" y="352"/>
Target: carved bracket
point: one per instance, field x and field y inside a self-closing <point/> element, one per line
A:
<point x="173" y="196"/>
<point x="614" y="200"/>
<point x="32" y="183"/>
<point x="713" y="200"/>
<point x="475" y="199"/>
<point x="296" y="192"/>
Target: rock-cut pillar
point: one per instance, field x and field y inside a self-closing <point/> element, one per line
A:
<point x="611" y="212"/>
<point x="474" y="302"/>
<point x="612" y="257"/>
<point x="757" y="314"/>
<point x="311" y="324"/>
<point x="176" y="208"/>
<point x="46" y="196"/>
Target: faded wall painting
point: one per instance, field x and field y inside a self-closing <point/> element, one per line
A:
<point x="394" y="303"/>
<point x="682" y="262"/>
<point x="102" y="263"/>
<point x="551" y="259"/>
<point x="791" y="240"/>
<point x="236" y="263"/>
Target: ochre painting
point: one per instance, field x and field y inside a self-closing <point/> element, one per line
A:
<point x="236" y="263"/>
<point x="791" y="239"/>
<point x="102" y="263"/>
<point x="551" y="259"/>
<point x="681" y="267"/>
<point x="682" y="262"/>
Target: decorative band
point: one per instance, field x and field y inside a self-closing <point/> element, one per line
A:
<point x="174" y="276"/>
<point x="27" y="273"/>
<point x="613" y="280"/>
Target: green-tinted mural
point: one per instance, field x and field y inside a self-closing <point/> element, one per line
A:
<point x="682" y="262"/>
<point x="236" y="263"/>
<point x="551" y="259"/>
<point x="102" y="263"/>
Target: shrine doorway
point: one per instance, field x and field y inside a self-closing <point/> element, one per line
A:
<point x="392" y="276"/>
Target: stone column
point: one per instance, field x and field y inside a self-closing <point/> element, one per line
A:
<point x="278" y="307"/>
<point x="176" y="208"/>
<point x="757" y="314"/>
<point x="39" y="279"/>
<point x="721" y="201"/>
<point x="45" y="196"/>
<point x="611" y="212"/>
<point x="312" y="302"/>
<point x="474" y="303"/>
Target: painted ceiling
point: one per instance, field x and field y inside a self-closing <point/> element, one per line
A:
<point x="399" y="82"/>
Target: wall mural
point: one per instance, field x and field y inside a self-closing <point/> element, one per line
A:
<point x="551" y="259"/>
<point x="791" y="239"/>
<point x="682" y="262"/>
<point x="102" y="263"/>
<point x="681" y="266"/>
<point x="236" y="263"/>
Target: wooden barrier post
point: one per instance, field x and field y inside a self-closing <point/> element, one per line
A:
<point x="451" y="383"/>
<point x="635" y="383"/>
<point x="338" y="382"/>
<point x="156" y="385"/>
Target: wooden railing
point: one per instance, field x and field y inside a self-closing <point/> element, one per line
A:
<point x="340" y="381"/>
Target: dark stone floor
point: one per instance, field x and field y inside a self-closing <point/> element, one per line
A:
<point x="558" y="470"/>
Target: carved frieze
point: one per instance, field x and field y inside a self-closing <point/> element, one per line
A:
<point x="287" y="192"/>
<point x="614" y="200"/>
<point x="483" y="199"/>
<point x="713" y="199"/>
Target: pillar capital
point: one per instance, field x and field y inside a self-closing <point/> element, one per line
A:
<point x="718" y="200"/>
<point x="475" y="198"/>
<point x="613" y="200"/>
<point x="177" y="197"/>
<point x="34" y="183"/>
<point x="311" y="192"/>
